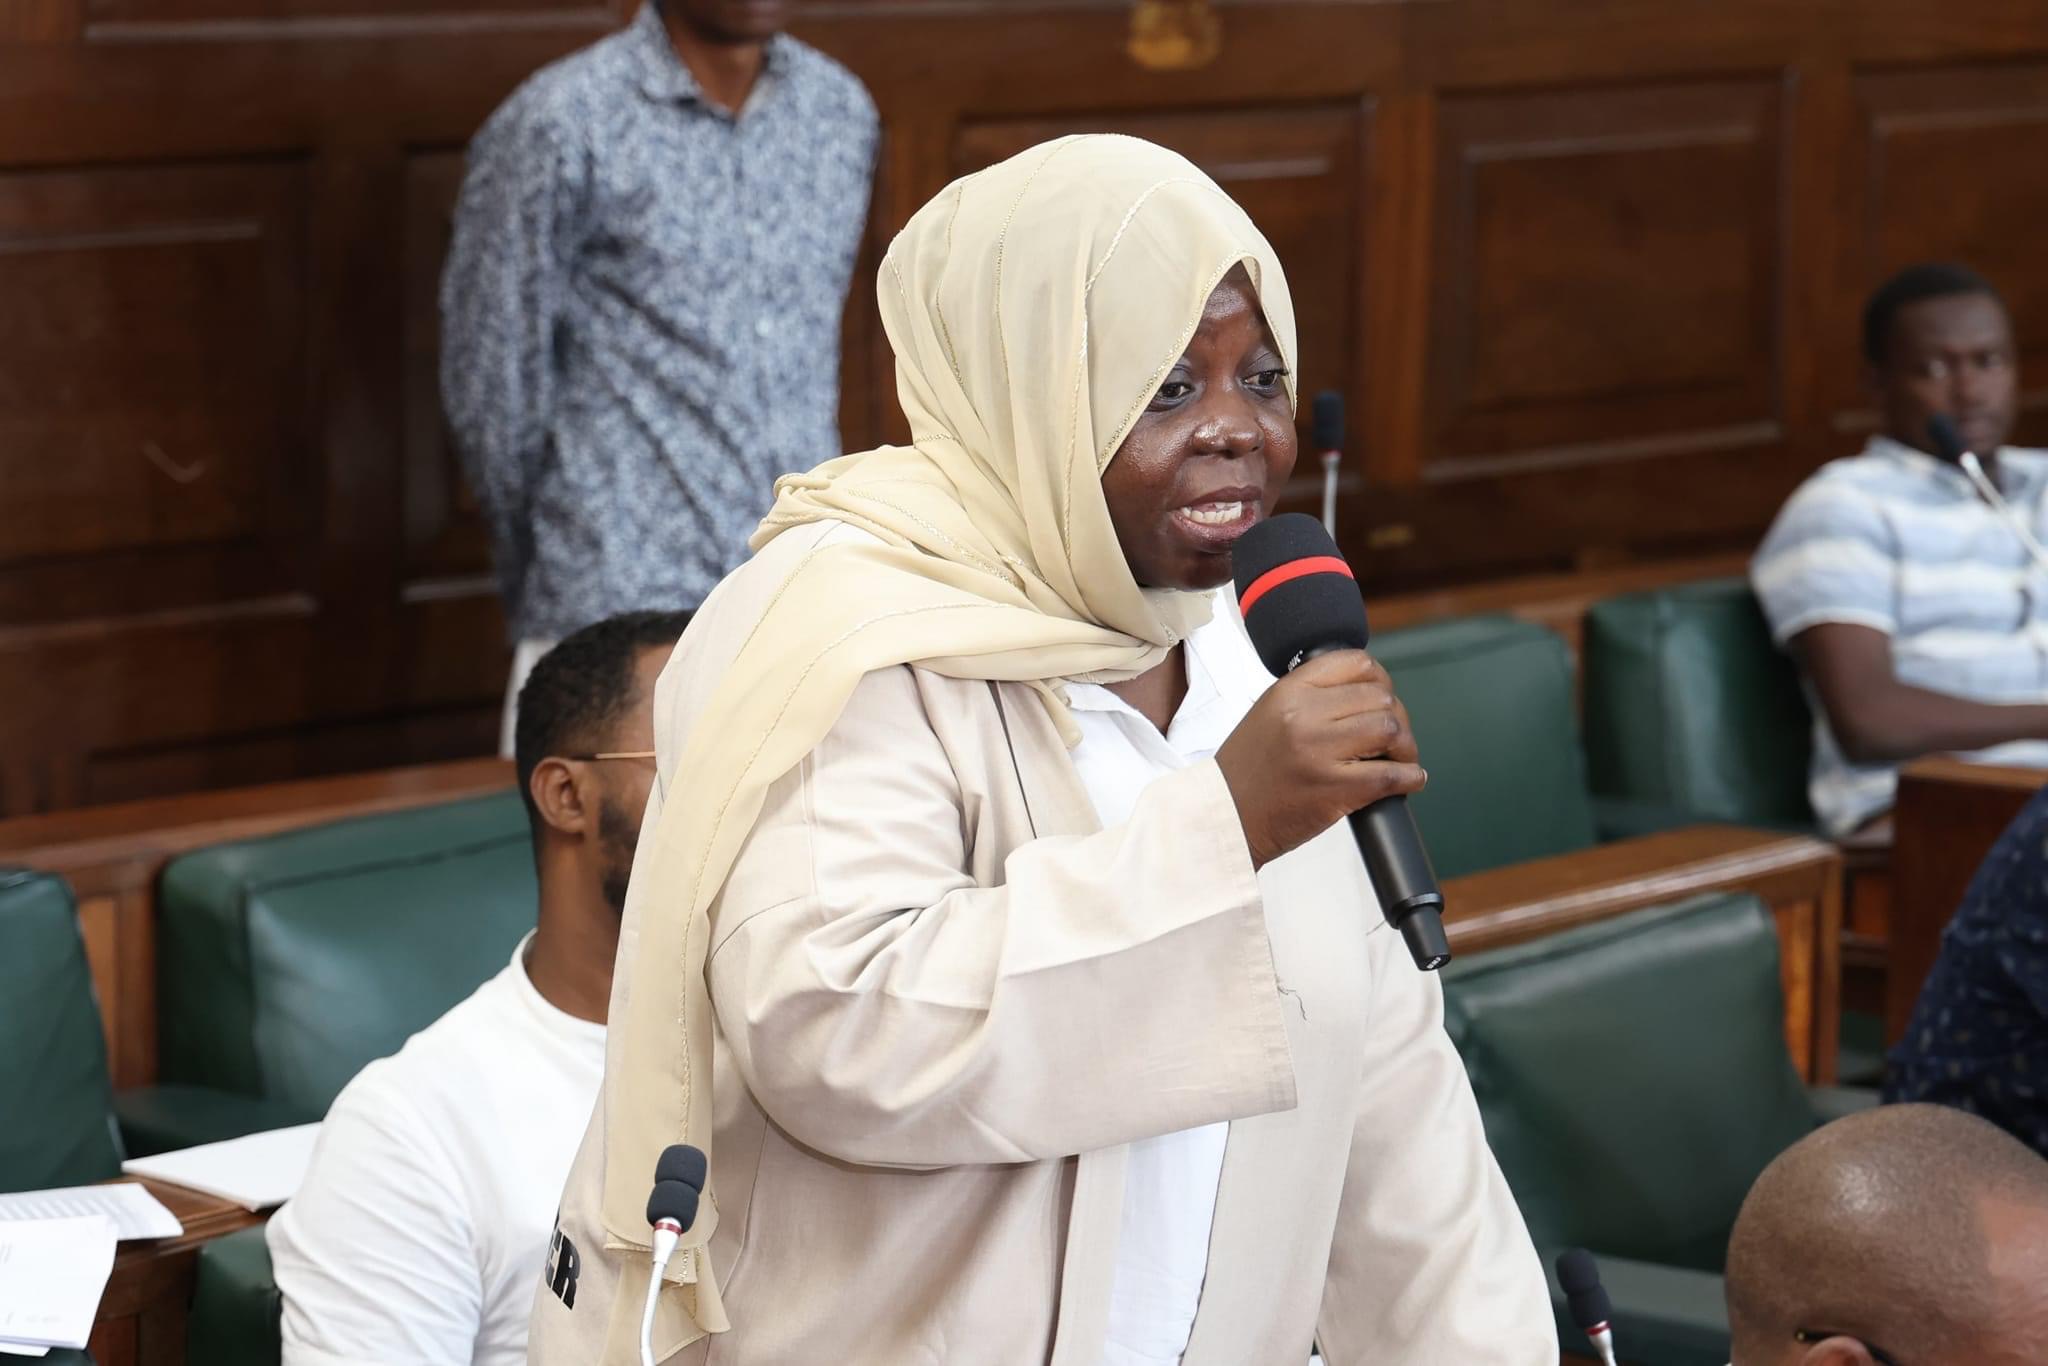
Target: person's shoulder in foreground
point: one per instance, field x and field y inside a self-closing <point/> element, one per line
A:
<point x="1911" y="1235"/>
<point x="1978" y="1037"/>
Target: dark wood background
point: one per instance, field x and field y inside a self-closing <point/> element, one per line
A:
<point x="1587" y="270"/>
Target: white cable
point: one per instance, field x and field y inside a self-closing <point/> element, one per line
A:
<point x="1991" y="495"/>
<point x="666" y="1233"/>
<point x="1330" y="460"/>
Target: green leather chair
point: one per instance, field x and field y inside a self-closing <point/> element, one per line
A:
<point x="55" y="1060"/>
<point x="1491" y="701"/>
<point x="284" y="964"/>
<point x="1690" y="705"/>
<point x="235" y="1303"/>
<point x="1634" y="1080"/>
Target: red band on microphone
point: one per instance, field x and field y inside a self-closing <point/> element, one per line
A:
<point x="1287" y="573"/>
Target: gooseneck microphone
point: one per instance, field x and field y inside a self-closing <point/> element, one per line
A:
<point x="672" y="1207"/>
<point x="1586" y="1299"/>
<point x="1948" y="443"/>
<point x="1300" y="600"/>
<point x="1327" y="431"/>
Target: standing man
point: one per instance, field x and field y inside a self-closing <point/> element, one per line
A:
<point x="641" y="306"/>
<point x="1914" y="600"/>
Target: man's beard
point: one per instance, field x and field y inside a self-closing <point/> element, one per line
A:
<point x="618" y="835"/>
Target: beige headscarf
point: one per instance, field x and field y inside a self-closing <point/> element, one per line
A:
<point x="1034" y="309"/>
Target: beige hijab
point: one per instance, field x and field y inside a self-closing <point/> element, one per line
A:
<point x="1034" y="309"/>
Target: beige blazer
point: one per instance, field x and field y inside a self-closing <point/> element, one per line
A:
<point x="945" y="1001"/>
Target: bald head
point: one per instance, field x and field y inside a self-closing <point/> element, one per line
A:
<point x="1917" y="1230"/>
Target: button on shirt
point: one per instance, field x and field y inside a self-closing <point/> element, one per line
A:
<point x="1978" y="1039"/>
<point x="641" y="313"/>
<point x="1901" y="542"/>
<point x="1170" y="1181"/>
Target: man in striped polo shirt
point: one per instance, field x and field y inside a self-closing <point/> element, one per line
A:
<point x="1915" y="602"/>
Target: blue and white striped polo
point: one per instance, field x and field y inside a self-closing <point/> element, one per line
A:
<point x="1899" y="541"/>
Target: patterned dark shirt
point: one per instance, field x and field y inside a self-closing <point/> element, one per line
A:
<point x="1978" y="1039"/>
<point x="640" y="316"/>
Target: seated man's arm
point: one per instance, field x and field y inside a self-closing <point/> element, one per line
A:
<point x="1877" y="719"/>
<point x="374" y="1256"/>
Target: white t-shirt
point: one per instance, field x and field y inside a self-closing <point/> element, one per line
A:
<point x="422" y="1226"/>
<point x="1170" y="1181"/>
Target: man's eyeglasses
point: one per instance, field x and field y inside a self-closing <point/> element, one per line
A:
<point x="613" y="754"/>
<point x="1813" y="1335"/>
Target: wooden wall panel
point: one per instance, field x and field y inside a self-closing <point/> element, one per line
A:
<point x="1605" y="273"/>
<point x="1588" y="271"/>
<point x="1953" y="165"/>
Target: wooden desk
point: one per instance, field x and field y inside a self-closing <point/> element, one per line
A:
<point x="142" y="1315"/>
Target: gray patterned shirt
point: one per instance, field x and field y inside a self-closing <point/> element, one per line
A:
<point x="640" y="316"/>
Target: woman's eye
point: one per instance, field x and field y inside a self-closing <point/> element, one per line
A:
<point x="1173" y="391"/>
<point x="1268" y="379"/>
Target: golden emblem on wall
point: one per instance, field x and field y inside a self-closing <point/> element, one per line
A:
<point x="1175" y="35"/>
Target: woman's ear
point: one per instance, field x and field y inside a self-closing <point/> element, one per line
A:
<point x="559" y="792"/>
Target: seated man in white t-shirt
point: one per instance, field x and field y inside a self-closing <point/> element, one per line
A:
<point x="424" y="1220"/>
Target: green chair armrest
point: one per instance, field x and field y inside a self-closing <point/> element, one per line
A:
<point x="235" y="1303"/>
<point x="1663" y="1315"/>
<point x="1837" y="1102"/>
<point x="161" y="1119"/>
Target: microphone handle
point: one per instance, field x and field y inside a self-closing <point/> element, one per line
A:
<point x="1398" y="864"/>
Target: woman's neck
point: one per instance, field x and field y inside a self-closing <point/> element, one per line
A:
<point x="1156" y="694"/>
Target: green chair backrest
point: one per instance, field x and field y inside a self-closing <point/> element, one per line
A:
<point x="285" y="964"/>
<point x="1690" y="705"/>
<point x="1633" y="1074"/>
<point x="54" y="1084"/>
<point x="1491" y="700"/>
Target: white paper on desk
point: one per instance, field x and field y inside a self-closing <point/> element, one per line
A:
<point x="21" y="1349"/>
<point x="133" y="1211"/>
<point x="52" y="1274"/>
<point x="255" y="1171"/>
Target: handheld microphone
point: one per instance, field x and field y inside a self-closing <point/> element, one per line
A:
<point x="1328" y="434"/>
<point x="1586" y="1299"/>
<point x="1299" y="600"/>
<point x="672" y="1207"/>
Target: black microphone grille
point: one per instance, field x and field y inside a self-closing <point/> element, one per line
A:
<point x="1295" y="590"/>
<point x="681" y="1162"/>
<point x="675" y="1200"/>
<point x="1327" y="428"/>
<point x="1948" y="442"/>
<point x="1579" y="1277"/>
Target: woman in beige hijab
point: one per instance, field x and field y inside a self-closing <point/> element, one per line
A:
<point x="994" y="927"/>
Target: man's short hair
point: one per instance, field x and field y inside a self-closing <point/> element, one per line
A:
<point x="1871" y="1226"/>
<point x="1929" y="280"/>
<point x="579" y="691"/>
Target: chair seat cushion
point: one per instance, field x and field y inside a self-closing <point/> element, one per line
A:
<point x="1633" y="1074"/>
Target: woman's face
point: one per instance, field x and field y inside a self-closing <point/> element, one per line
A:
<point x="1210" y="449"/>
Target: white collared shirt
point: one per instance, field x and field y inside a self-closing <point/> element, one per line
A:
<point x="1170" y="1181"/>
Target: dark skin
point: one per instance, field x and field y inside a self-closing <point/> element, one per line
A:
<point x="724" y="43"/>
<point x="1955" y="355"/>
<point x="590" y="815"/>
<point x="1199" y="469"/>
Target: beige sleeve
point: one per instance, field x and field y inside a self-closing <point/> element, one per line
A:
<point x="1431" y="1262"/>
<point x="885" y="1009"/>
